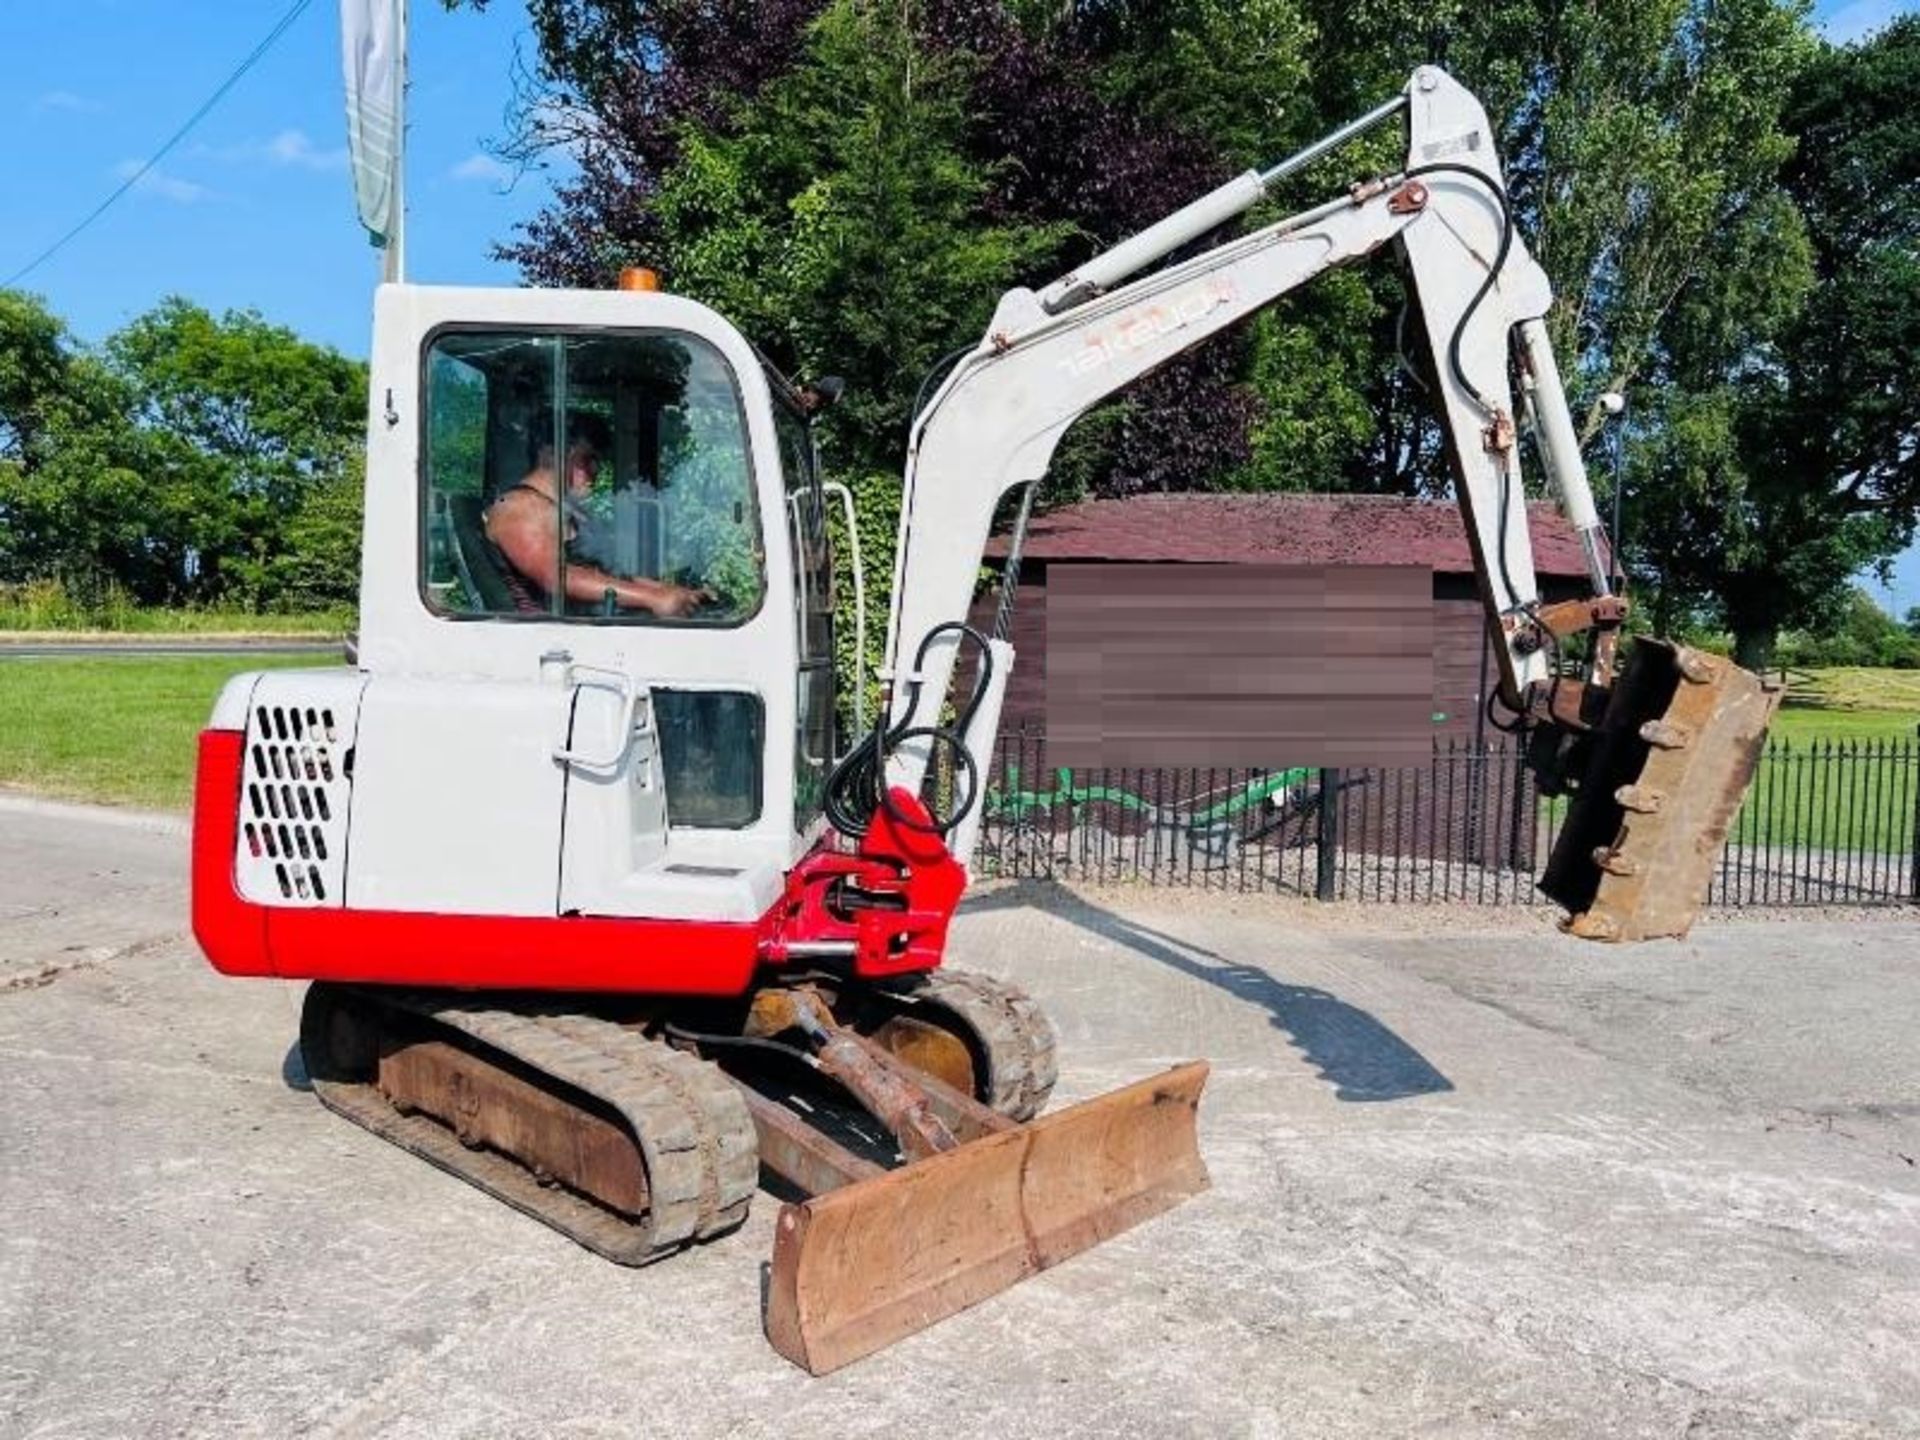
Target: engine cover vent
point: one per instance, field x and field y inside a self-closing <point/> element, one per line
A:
<point x="295" y="787"/>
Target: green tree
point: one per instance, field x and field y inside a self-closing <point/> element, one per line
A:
<point x="1228" y="71"/>
<point x="1863" y="634"/>
<point x="36" y="358"/>
<point x="193" y="460"/>
<point x="73" y="484"/>
<point x="1641" y="144"/>
<point x="252" y="439"/>
<point x="1786" y="456"/>
<point x="836" y="219"/>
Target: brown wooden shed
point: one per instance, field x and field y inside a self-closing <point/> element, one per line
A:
<point x="1280" y="530"/>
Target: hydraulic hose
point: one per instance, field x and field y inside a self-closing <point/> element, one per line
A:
<point x="1491" y="410"/>
<point x="857" y="789"/>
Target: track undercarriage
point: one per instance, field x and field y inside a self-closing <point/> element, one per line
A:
<point x="893" y="1118"/>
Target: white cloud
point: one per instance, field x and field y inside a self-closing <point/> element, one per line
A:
<point x="482" y="167"/>
<point x="163" y="186"/>
<point x="67" y="102"/>
<point x="292" y="148"/>
<point x="1860" y="18"/>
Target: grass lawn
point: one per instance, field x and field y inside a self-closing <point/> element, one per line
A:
<point x="1799" y="725"/>
<point x="1854" y="793"/>
<point x="116" y="729"/>
<point x="41" y="607"/>
<point x="1840" y="778"/>
<point x="23" y="620"/>
<point x="1855" y="688"/>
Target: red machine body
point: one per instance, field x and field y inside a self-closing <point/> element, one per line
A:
<point x="881" y="910"/>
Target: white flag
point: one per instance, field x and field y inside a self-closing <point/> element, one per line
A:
<point x="370" y="39"/>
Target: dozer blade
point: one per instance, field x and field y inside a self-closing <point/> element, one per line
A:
<point x="1672" y="761"/>
<point x="862" y="1266"/>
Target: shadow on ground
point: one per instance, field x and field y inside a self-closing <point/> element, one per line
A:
<point x="293" y="1070"/>
<point x="1352" y="1050"/>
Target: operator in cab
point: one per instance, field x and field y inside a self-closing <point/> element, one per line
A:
<point x="521" y="524"/>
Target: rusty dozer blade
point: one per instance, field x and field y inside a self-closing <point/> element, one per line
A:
<point x="862" y="1266"/>
<point x="1670" y="764"/>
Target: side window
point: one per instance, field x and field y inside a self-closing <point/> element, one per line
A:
<point x="710" y="747"/>
<point x="589" y="476"/>
<point x="813" y="617"/>
<point x="483" y="395"/>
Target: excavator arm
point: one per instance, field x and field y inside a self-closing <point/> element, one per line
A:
<point x="1050" y="356"/>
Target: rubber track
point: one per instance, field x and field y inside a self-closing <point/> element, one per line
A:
<point x="1021" y="1045"/>
<point x="695" y="1135"/>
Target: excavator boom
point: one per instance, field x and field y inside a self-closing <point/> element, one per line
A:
<point x="1050" y="356"/>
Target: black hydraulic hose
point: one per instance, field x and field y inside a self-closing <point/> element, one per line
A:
<point x="737" y="1042"/>
<point x="1492" y="410"/>
<point x="1493" y="271"/>
<point x="935" y="371"/>
<point x="857" y="788"/>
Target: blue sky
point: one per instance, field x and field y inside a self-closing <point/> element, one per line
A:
<point x="254" y="208"/>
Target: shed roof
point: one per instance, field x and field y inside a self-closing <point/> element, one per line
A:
<point x="1283" y="530"/>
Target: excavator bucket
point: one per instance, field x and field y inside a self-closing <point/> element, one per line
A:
<point x="862" y="1266"/>
<point x="1670" y="764"/>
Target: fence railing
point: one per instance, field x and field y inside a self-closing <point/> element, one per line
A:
<point x="1826" y="823"/>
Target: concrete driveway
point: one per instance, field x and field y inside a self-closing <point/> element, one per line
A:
<point x="1469" y="1177"/>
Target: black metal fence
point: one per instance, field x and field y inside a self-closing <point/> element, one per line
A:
<point x="1827" y="823"/>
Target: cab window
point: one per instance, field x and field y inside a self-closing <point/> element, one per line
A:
<point x="590" y="477"/>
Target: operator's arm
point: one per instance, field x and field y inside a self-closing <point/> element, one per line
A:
<point x="589" y="584"/>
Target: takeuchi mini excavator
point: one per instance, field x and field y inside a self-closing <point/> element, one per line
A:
<point x="600" y="915"/>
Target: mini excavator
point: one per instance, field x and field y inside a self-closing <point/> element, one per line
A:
<point x="602" y="918"/>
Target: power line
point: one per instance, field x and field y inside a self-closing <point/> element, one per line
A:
<point x="280" y="28"/>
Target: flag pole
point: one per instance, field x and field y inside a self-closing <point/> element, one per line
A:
<point x="394" y="269"/>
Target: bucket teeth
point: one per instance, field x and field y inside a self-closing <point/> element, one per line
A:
<point x="1694" y="668"/>
<point x="1640" y="799"/>
<point x="1665" y="735"/>
<point x="1613" y="862"/>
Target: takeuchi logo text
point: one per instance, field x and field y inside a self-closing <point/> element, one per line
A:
<point x="1140" y="327"/>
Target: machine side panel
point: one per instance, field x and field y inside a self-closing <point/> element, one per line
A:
<point x="230" y="707"/>
<point x="240" y="937"/>
<point x="456" y="797"/>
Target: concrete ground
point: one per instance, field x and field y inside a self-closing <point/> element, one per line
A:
<point x="1469" y="1177"/>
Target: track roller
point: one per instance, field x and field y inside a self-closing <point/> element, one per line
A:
<point x="1011" y="1043"/>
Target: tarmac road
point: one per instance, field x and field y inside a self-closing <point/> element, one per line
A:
<point x="110" y="649"/>
<point x="1480" y="1180"/>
